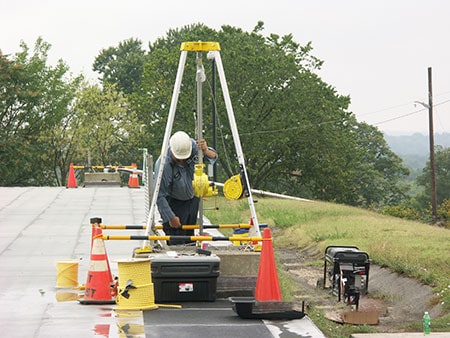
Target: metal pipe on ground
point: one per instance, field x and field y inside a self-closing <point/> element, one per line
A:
<point x="271" y="194"/>
<point x="183" y="227"/>
<point x="185" y="238"/>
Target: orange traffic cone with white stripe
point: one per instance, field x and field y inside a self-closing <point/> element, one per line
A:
<point x="133" y="181"/>
<point x="98" y="285"/>
<point x="98" y="232"/>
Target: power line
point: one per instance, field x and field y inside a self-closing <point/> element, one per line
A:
<point x="409" y="114"/>
<point x="399" y="117"/>
<point x="336" y="121"/>
<point x="400" y="105"/>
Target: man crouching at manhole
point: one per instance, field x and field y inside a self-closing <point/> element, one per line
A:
<point x="176" y="201"/>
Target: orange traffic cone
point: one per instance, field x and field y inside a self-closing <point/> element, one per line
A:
<point x="71" y="180"/>
<point x="98" y="285"/>
<point x="267" y="285"/>
<point x="133" y="181"/>
<point x="97" y="232"/>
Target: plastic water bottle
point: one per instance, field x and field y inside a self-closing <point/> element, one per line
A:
<point x="426" y="323"/>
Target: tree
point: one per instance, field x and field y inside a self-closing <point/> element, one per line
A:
<point x="109" y="130"/>
<point x="380" y="173"/>
<point x="35" y="98"/>
<point x="442" y="174"/>
<point x="62" y="145"/>
<point x="121" y="65"/>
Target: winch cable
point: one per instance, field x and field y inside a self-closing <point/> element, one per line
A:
<point x="225" y="155"/>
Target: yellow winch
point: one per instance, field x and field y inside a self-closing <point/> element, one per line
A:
<point x="200" y="183"/>
<point x="232" y="188"/>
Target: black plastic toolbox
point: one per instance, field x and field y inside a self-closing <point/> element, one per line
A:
<point x="185" y="278"/>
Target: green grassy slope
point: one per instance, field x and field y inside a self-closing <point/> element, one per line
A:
<point x="415" y="249"/>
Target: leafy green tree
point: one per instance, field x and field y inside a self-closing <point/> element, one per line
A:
<point x="108" y="127"/>
<point x="35" y="98"/>
<point x="442" y="175"/>
<point x="121" y="65"/>
<point x="379" y="173"/>
<point x="10" y="78"/>
<point x="62" y="145"/>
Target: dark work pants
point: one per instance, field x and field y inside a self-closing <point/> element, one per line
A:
<point x="187" y="212"/>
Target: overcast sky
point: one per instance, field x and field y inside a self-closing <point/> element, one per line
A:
<point x="377" y="52"/>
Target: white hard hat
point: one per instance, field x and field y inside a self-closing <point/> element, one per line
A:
<point x="181" y="145"/>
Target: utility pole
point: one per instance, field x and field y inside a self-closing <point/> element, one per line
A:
<point x="431" y="132"/>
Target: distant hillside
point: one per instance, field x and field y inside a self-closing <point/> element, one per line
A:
<point x="415" y="149"/>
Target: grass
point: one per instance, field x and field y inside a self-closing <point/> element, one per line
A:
<point x="415" y="249"/>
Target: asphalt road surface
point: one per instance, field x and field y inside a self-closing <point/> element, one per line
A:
<point x="42" y="228"/>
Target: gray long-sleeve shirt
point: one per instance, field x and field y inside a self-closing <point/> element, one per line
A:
<point x="176" y="180"/>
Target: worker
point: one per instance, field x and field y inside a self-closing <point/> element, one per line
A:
<point x="176" y="202"/>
